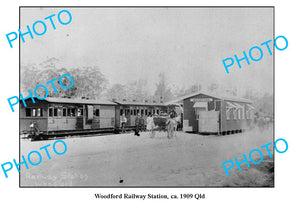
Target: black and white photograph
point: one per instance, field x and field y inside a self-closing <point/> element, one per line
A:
<point x="147" y="96"/>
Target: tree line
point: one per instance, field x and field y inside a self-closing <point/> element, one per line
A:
<point x="89" y="82"/>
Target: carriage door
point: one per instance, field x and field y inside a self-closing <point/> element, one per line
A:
<point x="79" y="118"/>
<point x="88" y="115"/>
<point x="96" y="118"/>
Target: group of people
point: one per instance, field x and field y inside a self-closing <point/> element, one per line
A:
<point x="139" y="123"/>
<point x="171" y="124"/>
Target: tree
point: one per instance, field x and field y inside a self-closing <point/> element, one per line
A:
<point x="162" y="92"/>
<point x="135" y="90"/>
<point x="192" y="89"/>
<point x="213" y="87"/>
<point x="116" y="91"/>
<point x="87" y="81"/>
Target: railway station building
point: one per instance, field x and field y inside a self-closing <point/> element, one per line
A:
<point x="209" y="113"/>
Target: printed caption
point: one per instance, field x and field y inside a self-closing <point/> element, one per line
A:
<point x="149" y="196"/>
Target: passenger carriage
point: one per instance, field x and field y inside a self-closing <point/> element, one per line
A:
<point x="63" y="116"/>
<point x="133" y="108"/>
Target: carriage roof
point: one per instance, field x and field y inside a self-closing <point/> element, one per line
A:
<point x="133" y="103"/>
<point x="79" y="101"/>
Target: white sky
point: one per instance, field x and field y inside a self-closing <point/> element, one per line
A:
<point x="188" y="44"/>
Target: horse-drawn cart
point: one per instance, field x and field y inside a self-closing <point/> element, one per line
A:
<point x="160" y="123"/>
<point x="164" y="123"/>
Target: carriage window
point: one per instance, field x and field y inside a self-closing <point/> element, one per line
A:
<point x="40" y="112"/>
<point x="50" y="112"/>
<point x="64" y="112"/>
<point x="79" y="112"/>
<point x="146" y="112"/>
<point x="69" y="112"/>
<point x="59" y="112"/>
<point x="73" y="112"/>
<point x="33" y="112"/>
<point x="97" y="112"/>
<point x="121" y="111"/>
<point x="142" y="112"/>
<point x="157" y="111"/>
<point x="131" y="112"/>
<point x="134" y="112"/>
<point x="28" y="112"/>
<point x="55" y="112"/>
<point x="137" y="111"/>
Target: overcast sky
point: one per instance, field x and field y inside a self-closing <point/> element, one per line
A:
<point x="188" y="44"/>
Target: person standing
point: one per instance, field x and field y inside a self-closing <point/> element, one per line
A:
<point x="123" y="122"/>
<point x="137" y="124"/>
<point x="150" y="125"/>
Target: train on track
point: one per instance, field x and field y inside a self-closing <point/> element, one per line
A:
<point x="199" y="112"/>
<point x="66" y="116"/>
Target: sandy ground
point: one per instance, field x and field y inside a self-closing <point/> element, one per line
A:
<point x="127" y="160"/>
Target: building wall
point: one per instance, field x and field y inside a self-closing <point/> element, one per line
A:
<point x="190" y="120"/>
<point x="189" y="114"/>
<point x="229" y="125"/>
<point x="118" y="115"/>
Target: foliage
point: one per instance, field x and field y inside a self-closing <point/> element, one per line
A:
<point x="162" y="92"/>
<point x="262" y="103"/>
<point x="88" y="81"/>
<point x="136" y="90"/>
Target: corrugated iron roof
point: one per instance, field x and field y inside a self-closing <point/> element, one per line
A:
<point x="211" y="95"/>
<point x="139" y="103"/>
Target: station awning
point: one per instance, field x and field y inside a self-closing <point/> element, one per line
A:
<point x="230" y="105"/>
<point x="238" y="106"/>
<point x="250" y="106"/>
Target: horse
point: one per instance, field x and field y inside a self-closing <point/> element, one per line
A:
<point x="171" y="125"/>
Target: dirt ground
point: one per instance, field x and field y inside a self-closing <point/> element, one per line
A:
<point x="128" y="160"/>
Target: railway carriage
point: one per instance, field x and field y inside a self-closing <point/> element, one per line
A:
<point x="62" y="116"/>
<point x="132" y="108"/>
<point x="65" y="116"/>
